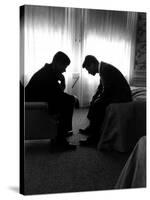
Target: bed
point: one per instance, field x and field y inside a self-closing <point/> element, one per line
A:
<point x="133" y="175"/>
<point x="124" y="123"/>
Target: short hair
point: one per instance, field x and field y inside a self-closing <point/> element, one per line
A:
<point x="61" y="57"/>
<point x="88" y="60"/>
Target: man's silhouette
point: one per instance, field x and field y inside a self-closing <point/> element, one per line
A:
<point x="47" y="85"/>
<point x="113" y="88"/>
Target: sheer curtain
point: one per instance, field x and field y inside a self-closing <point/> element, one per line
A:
<point x="108" y="35"/>
<point x="46" y="32"/>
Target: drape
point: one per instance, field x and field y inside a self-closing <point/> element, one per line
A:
<point x="108" y="35"/>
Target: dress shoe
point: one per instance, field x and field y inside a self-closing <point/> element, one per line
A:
<point x="68" y="133"/>
<point x="85" y="131"/>
<point x="91" y="141"/>
<point x="61" y="146"/>
<point x="69" y="147"/>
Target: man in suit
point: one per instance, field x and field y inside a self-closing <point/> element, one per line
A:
<point x="113" y="88"/>
<point x="48" y="85"/>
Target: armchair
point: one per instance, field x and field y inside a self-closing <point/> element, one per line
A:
<point x="38" y="123"/>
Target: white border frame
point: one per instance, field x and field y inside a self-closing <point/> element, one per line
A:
<point x="9" y="87"/>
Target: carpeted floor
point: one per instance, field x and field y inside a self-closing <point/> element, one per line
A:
<point x="84" y="169"/>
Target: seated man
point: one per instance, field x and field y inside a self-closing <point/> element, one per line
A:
<point x="48" y="85"/>
<point x="113" y="88"/>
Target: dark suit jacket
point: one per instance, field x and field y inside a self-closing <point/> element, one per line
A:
<point x="113" y="85"/>
<point x="43" y="86"/>
<point x="113" y="88"/>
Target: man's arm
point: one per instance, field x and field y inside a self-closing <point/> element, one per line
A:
<point x="98" y="91"/>
<point x="61" y="81"/>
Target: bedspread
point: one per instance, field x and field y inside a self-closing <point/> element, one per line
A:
<point x="133" y="174"/>
<point x="123" y="125"/>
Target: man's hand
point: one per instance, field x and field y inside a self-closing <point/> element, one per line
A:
<point x="61" y="81"/>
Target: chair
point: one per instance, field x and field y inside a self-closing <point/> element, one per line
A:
<point x="38" y="123"/>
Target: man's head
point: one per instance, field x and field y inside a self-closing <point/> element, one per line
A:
<point x="91" y="64"/>
<point x="60" y="62"/>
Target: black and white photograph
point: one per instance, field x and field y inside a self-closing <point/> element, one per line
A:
<point x="82" y="99"/>
<point x="74" y="99"/>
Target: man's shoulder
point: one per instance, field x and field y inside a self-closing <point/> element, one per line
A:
<point x="48" y="65"/>
<point x="106" y="64"/>
<point x="45" y="69"/>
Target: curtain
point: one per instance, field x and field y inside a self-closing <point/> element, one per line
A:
<point x="108" y="35"/>
<point x="46" y="32"/>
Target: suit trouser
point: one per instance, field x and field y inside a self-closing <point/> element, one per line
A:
<point x="63" y="106"/>
<point x="96" y="116"/>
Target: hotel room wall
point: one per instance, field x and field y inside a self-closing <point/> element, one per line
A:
<point x="139" y="70"/>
